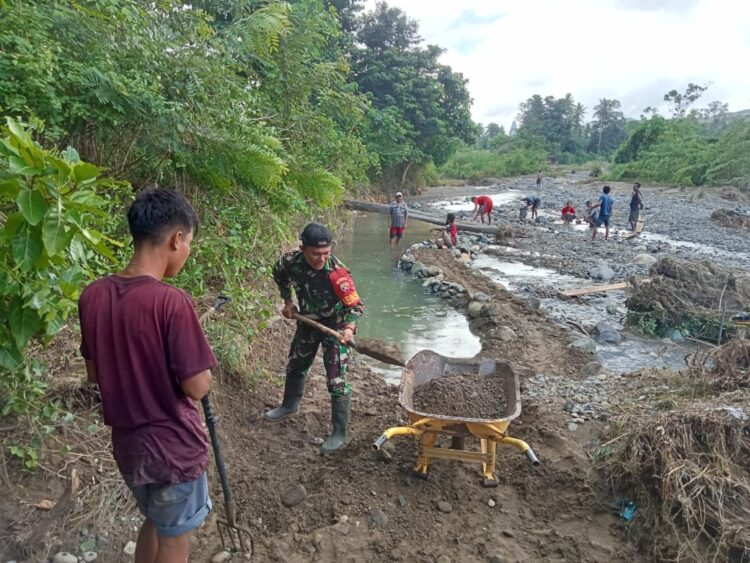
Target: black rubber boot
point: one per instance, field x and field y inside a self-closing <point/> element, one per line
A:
<point x="340" y="421"/>
<point x="293" y="391"/>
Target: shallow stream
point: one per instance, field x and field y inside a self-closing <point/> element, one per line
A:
<point x="398" y="308"/>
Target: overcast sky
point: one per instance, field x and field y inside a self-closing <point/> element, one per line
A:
<point x="631" y="50"/>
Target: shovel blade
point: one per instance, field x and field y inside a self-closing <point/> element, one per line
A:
<point x="382" y="350"/>
<point x="234" y="538"/>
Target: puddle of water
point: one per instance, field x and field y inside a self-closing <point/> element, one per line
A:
<point x="513" y="274"/>
<point x="698" y="247"/>
<point x="398" y="308"/>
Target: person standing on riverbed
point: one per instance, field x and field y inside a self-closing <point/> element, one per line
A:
<point x="326" y="293"/>
<point x="397" y="216"/>
<point x="482" y="206"/>
<point x="539" y="180"/>
<point x="605" y="205"/>
<point x="636" y="205"/>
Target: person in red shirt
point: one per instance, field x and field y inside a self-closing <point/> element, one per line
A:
<point x="145" y="349"/>
<point x="482" y="206"/>
<point x="568" y="212"/>
<point x="449" y="233"/>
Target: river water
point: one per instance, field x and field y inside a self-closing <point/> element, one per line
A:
<point x="398" y="308"/>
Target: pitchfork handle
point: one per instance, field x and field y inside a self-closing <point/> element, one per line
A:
<point x="226" y="489"/>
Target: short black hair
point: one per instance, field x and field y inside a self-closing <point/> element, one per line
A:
<point x="638" y="184"/>
<point x="155" y="211"/>
<point x="606" y="189"/>
<point x="451" y="217"/>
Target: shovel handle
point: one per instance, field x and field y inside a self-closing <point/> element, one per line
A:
<point x="321" y="327"/>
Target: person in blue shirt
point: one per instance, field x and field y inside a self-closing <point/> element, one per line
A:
<point x="605" y="205"/>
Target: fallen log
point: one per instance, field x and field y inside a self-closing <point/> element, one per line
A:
<point x="427" y="218"/>
<point x="594" y="289"/>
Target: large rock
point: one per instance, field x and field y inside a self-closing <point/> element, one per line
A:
<point x="645" y="259"/>
<point x="482" y="297"/>
<point x="506" y="334"/>
<point x="64" y="557"/>
<point x="475" y="309"/>
<point x="378" y="517"/>
<point x="605" y="332"/>
<point x="601" y="272"/>
<point x="433" y="271"/>
<point x="417" y="267"/>
<point x="583" y="343"/>
<point x="591" y="369"/>
<point x="294" y="496"/>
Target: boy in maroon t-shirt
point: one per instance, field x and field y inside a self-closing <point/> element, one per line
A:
<point x="144" y="347"/>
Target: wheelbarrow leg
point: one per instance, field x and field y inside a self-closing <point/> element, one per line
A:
<point x="489" y="448"/>
<point x="426" y="440"/>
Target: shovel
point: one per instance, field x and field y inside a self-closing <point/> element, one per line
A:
<point x="386" y="352"/>
<point x="231" y="535"/>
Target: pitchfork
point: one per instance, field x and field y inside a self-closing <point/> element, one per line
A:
<point x="232" y="536"/>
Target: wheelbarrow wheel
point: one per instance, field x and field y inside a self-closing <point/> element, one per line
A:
<point x="420" y="475"/>
<point x="490" y="483"/>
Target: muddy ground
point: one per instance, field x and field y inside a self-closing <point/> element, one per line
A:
<point x="366" y="506"/>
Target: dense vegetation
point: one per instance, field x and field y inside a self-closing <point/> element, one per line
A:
<point x="264" y="112"/>
<point x="691" y="147"/>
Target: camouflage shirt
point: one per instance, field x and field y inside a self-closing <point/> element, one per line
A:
<point x="315" y="295"/>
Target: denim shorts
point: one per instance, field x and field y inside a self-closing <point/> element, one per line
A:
<point x="602" y="221"/>
<point x="174" y="509"/>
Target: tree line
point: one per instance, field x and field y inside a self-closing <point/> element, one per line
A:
<point x="691" y="146"/>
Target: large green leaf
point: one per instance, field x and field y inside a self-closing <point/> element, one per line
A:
<point x="27" y="246"/>
<point x="84" y="171"/>
<point x="10" y="358"/>
<point x="7" y="148"/>
<point x="54" y="235"/>
<point x="24" y="323"/>
<point x="71" y="155"/>
<point x="20" y="166"/>
<point x="32" y="205"/>
<point x="10" y="187"/>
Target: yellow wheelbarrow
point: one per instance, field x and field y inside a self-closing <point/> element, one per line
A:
<point x="423" y="368"/>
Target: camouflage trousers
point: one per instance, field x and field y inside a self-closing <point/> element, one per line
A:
<point x="335" y="357"/>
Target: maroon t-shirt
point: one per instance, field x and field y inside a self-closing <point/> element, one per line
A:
<point x="144" y="338"/>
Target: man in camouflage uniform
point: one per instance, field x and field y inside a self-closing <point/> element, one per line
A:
<point x="309" y="270"/>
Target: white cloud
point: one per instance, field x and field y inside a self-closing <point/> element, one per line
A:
<point x="632" y="50"/>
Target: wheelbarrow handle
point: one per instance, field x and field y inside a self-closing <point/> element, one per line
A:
<point x="382" y="439"/>
<point x="226" y="489"/>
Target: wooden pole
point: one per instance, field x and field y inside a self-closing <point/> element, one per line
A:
<point x="426" y="217"/>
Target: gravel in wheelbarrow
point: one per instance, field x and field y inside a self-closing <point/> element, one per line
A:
<point x="463" y="395"/>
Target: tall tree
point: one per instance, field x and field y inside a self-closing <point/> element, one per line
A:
<point x="421" y="107"/>
<point x="557" y="123"/>
<point x="607" y="128"/>
<point x="680" y="101"/>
